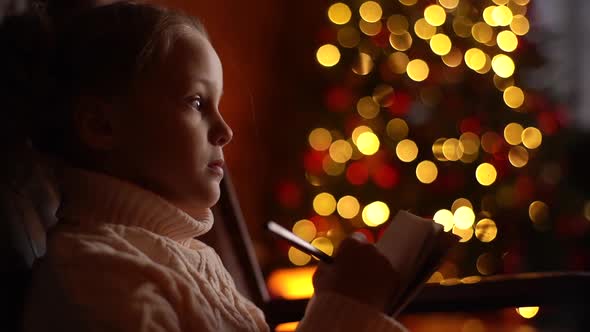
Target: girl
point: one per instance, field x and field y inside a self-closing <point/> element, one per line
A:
<point x="137" y="125"/>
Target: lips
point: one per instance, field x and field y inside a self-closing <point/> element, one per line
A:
<point x="216" y="167"/>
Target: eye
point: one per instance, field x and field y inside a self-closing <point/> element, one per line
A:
<point x="197" y="103"/>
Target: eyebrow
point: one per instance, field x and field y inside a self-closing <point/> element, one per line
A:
<point x="208" y="83"/>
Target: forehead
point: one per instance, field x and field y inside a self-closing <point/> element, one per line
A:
<point x="189" y="59"/>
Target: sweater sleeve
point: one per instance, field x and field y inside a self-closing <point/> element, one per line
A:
<point x="329" y="311"/>
<point x="106" y="290"/>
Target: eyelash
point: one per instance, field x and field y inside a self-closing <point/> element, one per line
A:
<point x="200" y="101"/>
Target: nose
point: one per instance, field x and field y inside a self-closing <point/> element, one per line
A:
<point x="221" y="132"/>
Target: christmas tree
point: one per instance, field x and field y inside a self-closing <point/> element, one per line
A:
<point x="426" y="109"/>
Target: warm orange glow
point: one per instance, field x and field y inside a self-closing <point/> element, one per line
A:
<point x="291" y="284"/>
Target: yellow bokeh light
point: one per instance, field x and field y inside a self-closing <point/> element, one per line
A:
<point x="305" y="229"/>
<point x="398" y="62"/>
<point x="520" y="25"/>
<point x="486" y="174"/>
<point x="488" y="17"/>
<point x="470" y="142"/>
<point x="408" y="2"/>
<point x="375" y="214"/>
<point x="518" y="156"/>
<point x="486" y="263"/>
<point x="507" y="41"/>
<point x="502" y="15"/>
<point x="521" y="2"/>
<point x="486" y="230"/>
<point x="339" y="13"/>
<point x="397" y="129"/>
<point x="452" y="149"/>
<point x="298" y="257"/>
<point x="435" y="15"/>
<point x="527" y="312"/>
<point x="367" y="107"/>
<point x="406" y="150"/>
<point x="368" y="143"/>
<point x="475" y="58"/>
<point x="401" y="42"/>
<point x="397" y="24"/>
<point x="539" y="212"/>
<point x="503" y="65"/>
<point x="445" y="218"/>
<point x="371" y="11"/>
<point x="453" y="58"/>
<point x="324" y="244"/>
<point x="500" y="2"/>
<point x="513" y="133"/>
<point x="503" y="83"/>
<point x="482" y="32"/>
<point x="348" y="207"/>
<point x="462" y="26"/>
<point x="328" y="55"/>
<point x="292" y="283"/>
<point x="324" y="204"/>
<point x="532" y="137"/>
<point x="440" y="44"/>
<point x="363" y="64"/>
<point x="370" y="28"/>
<point x="359" y="130"/>
<point x="418" y="70"/>
<point x="286" y="327"/>
<point x="331" y="167"/>
<point x="464" y="217"/>
<point x="437" y="147"/>
<point x="459" y="202"/>
<point x="320" y="139"/>
<point x="486" y="67"/>
<point x="348" y="37"/>
<point x="340" y="151"/>
<point x="426" y="171"/>
<point x="465" y="234"/>
<point x="423" y="29"/>
<point x="449" y="4"/>
<point x="513" y="97"/>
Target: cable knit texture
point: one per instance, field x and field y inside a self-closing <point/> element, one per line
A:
<point x="124" y="259"/>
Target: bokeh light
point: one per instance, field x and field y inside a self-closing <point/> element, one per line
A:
<point x="348" y="207"/>
<point x="348" y="37"/>
<point x="408" y="2"/>
<point x="367" y="107"/>
<point x="488" y="16"/>
<point x="486" y="174"/>
<point x="340" y="151"/>
<point x="507" y="41"/>
<point x="397" y="129"/>
<point x="305" y="229"/>
<point x="502" y="15"/>
<point x="539" y="212"/>
<point x="452" y="149"/>
<point x="475" y="58"/>
<point x="324" y="244"/>
<point x="324" y="204"/>
<point x="423" y="29"/>
<point x="445" y="218"/>
<point x="375" y="214"/>
<point x="482" y="32"/>
<point x="435" y="15"/>
<point x="486" y="230"/>
<point x="459" y="202"/>
<point x="464" y="217"/>
<point x="397" y="24"/>
<point x="401" y="42"/>
<point x="532" y="137"/>
<point x="465" y="234"/>
<point x="371" y="11"/>
<point x="328" y="55"/>
<point x="513" y="97"/>
<point x="370" y="28"/>
<point x="440" y="44"/>
<point x="518" y="156"/>
<point x="406" y="150"/>
<point x="298" y="257"/>
<point x="320" y="139"/>
<point x="520" y="25"/>
<point x="513" y="133"/>
<point x="426" y="171"/>
<point x="363" y="64"/>
<point x="358" y="131"/>
<point x="503" y="65"/>
<point x="368" y="143"/>
<point x="449" y="4"/>
<point x="527" y="312"/>
<point x="418" y="70"/>
<point x="398" y="62"/>
<point x="339" y="13"/>
<point x="453" y="58"/>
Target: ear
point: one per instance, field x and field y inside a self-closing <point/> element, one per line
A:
<point x="93" y="122"/>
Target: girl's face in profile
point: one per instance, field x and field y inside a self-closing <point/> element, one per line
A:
<point x="171" y="133"/>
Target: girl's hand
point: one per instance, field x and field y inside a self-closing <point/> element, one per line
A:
<point x="360" y="272"/>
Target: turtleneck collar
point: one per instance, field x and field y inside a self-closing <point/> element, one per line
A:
<point x="92" y="198"/>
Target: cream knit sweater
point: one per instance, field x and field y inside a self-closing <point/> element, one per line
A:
<point x="124" y="259"/>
